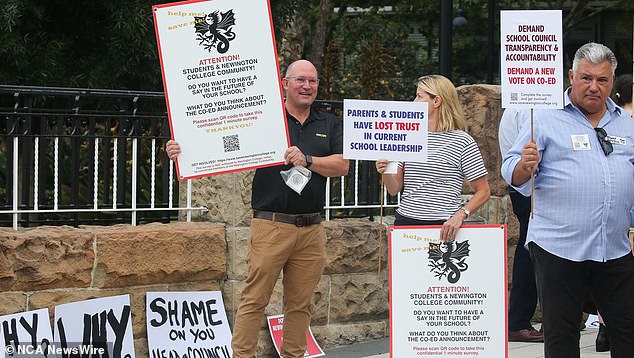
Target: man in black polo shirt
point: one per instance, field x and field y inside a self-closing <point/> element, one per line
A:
<point x="285" y="232"/>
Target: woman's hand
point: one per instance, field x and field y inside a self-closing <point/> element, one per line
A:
<point x="450" y="228"/>
<point x="381" y="165"/>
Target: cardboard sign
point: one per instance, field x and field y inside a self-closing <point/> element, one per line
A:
<point x="531" y="58"/>
<point x="222" y="85"/>
<point x="448" y="299"/>
<point x="187" y="324"/>
<point x="27" y="334"/>
<point x="392" y="130"/>
<point x="276" y="328"/>
<point x="100" y="323"/>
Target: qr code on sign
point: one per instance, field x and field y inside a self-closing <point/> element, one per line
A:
<point x="514" y="96"/>
<point x="231" y="143"/>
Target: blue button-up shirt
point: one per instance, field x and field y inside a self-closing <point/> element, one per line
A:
<point x="582" y="197"/>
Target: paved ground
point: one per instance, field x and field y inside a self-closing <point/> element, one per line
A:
<point x="381" y="348"/>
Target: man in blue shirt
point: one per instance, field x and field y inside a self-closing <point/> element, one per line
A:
<point x="523" y="295"/>
<point x="582" y="157"/>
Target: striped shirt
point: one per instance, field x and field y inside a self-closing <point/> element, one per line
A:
<point x="431" y="190"/>
<point x="582" y="197"/>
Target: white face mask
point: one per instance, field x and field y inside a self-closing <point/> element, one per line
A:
<point x="296" y="178"/>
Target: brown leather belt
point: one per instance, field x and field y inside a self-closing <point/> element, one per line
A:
<point x="298" y="220"/>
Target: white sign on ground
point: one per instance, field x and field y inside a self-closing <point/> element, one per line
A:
<point x="100" y="323"/>
<point x="27" y="334"/>
<point x="187" y="324"/>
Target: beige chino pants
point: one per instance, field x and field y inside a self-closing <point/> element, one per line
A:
<point x="274" y="247"/>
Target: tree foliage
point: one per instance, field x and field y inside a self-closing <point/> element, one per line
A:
<point x="95" y="44"/>
<point x="379" y="62"/>
<point x="374" y="53"/>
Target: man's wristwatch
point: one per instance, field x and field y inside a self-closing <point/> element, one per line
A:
<point x="309" y="160"/>
<point x="466" y="211"/>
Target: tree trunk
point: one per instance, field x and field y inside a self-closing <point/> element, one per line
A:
<point x="319" y="34"/>
<point x="291" y="45"/>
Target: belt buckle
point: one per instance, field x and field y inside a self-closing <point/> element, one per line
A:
<point x="300" y="221"/>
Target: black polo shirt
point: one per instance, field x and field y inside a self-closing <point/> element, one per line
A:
<point x="320" y="136"/>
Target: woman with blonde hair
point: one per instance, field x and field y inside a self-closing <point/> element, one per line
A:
<point x="431" y="191"/>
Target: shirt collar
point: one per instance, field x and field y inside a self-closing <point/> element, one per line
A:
<point x="612" y="106"/>
<point x="313" y="116"/>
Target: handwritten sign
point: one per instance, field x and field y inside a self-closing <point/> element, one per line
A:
<point x="222" y="85"/>
<point x="448" y="299"/>
<point x="187" y="324"/>
<point x="276" y="328"/>
<point x="390" y="130"/>
<point x="531" y="58"/>
<point x="100" y="323"/>
<point x="27" y="333"/>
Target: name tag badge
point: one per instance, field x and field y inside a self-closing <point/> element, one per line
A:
<point x="616" y="140"/>
<point x="580" y="142"/>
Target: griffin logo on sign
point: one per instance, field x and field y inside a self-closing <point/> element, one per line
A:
<point x="214" y="30"/>
<point x="448" y="259"/>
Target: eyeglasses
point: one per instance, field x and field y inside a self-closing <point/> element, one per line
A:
<point x="301" y="80"/>
<point x="605" y="144"/>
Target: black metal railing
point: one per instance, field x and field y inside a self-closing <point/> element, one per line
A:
<point x="71" y="156"/>
<point x="74" y="153"/>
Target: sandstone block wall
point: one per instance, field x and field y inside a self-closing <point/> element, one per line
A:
<point x="45" y="266"/>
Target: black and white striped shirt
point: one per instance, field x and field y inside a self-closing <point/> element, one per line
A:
<point x="431" y="190"/>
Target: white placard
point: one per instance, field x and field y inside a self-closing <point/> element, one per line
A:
<point x="100" y="322"/>
<point x="448" y="300"/>
<point x="27" y="334"/>
<point x="222" y="85"/>
<point x="187" y="324"/>
<point x="392" y="130"/>
<point x="531" y="58"/>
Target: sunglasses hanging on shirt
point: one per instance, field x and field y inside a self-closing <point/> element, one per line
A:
<point x="605" y="144"/>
